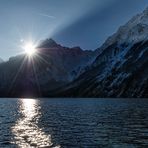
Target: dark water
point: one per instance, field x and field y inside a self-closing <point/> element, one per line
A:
<point x="74" y="123"/>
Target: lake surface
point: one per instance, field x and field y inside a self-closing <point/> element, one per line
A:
<point x="74" y="123"/>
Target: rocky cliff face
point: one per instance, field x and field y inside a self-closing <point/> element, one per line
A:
<point x="121" y="67"/>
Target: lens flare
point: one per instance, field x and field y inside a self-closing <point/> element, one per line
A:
<point x="30" y="48"/>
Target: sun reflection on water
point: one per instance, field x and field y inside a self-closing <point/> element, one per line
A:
<point x="26" y="131"/>
<point x="28" y="108"/>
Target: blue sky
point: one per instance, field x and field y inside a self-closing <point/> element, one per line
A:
<point x="84" y="23"/>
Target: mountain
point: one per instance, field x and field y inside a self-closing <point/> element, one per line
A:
<point x="49" y="43"/>
<point x="53" y="66"/>
<point x="121" y="67"/>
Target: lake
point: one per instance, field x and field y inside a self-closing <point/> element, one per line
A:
<point x="74" y="123"/>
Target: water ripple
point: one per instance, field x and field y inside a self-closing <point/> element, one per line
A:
<point x="73" y="123"/>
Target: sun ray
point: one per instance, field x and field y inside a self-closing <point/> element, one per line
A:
<point x="42" y="59"/>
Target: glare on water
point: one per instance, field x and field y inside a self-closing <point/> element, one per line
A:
<point x="26" y="131"/>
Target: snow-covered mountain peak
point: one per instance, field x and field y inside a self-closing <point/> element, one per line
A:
<point x="133" y="31"/>
<point x="146" y="11"/>
<point x="139" y="18"/>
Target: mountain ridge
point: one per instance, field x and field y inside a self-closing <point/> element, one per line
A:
<point x="118" y="69"/>
<point x="50" y="68"/>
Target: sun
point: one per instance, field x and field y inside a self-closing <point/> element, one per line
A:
<point x="30" y="48"/>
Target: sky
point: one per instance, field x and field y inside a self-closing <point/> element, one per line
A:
<point x="84" y="23"/>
